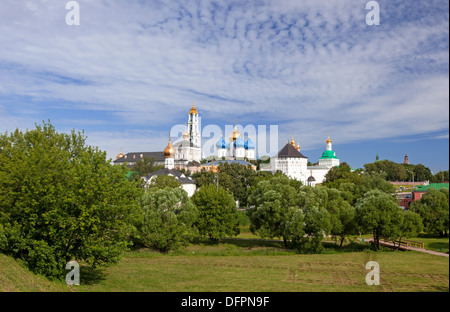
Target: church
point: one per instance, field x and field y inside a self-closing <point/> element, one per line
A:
<point x="294" y="164"/>
<point x="187" y="154"/>
<point x="236" y="148"/>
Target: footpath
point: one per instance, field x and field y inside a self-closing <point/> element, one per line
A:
<point x="391" y="245"/>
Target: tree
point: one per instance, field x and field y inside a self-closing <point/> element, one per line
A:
<point x="217" y="213"/>
<point x="411" y="226"/>
<point x="61" y="200"/>
<point x="167" y="218"/>
<point x="143" y="167"/>
<point x="274" y="202"/>
<point x="342" y="215"/>
<point x="379" y="214"/>
<point x="433" y="207"/>
<point x="316" y="226"/>
<point x="163" y="181"/>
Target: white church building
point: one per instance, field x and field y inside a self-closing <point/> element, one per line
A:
<point x="294" y="164"/>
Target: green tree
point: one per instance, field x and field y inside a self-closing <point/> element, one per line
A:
<point x="273" y="203"/>
<point x="411" y="226"/>
<point x="61" y="200"/>
<point x="217" y="213"/>
<point x="316" y="225"/>
<point x="342" y="216"/>
<point x="163" y="181"/>
<point x="143" y="167"/>
<point x="378" y="213"/>
<point x="433" y="207"/>
<point x="167" y="219"/>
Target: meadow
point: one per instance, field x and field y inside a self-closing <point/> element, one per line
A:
<point x="246" y="265"/>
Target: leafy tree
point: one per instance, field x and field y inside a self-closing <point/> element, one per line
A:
<point x="440" y="177"/>
<point x="234" y="177"/>
<point x="379" y="214"/>
<point x="411" y="226"/>
<point x="342" y="215"/>
<point x="164" y="181"/>
<point x="316" y="225"/>
<point x="274" y="201"/>
<point x="422" y="173"/>
<point x="61" y="200"/>
<point x="143" y="167"/>
<point x="217" y="213"/>
<point x="167" y="218"/>
<point x="433" y="207"/>
<point x="353" y="185"/>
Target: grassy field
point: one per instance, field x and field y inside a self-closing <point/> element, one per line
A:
<point x="249" y="265"/>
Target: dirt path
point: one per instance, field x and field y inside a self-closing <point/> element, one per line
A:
<point x="431" y="252"/>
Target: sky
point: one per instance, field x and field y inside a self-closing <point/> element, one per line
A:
<point x="130" y="71"/>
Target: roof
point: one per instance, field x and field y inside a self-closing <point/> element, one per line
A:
<point x="328" y="154"/>
<point x="239" y="142"/>
<point x="181" y="178"/>
<point x="222" y="144"/>
<point x="289" y="151"/>
<point x="249" y="144"/>
<point x="158" y="156"/>
<point x="436" y="186"/>
<point x="311" y="179"/>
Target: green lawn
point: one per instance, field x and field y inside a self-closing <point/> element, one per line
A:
<point x="250" y="265"/>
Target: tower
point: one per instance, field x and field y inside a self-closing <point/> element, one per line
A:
<point x="329" y="147"/>
<point x="194" y="135"/>
<point x="328" y="158"/>
<point x="406" y="161"/>
<point x="194" y="127"/>
<point x="169" y="153"/>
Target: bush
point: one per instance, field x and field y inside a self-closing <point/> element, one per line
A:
<point x="167" y="218"/>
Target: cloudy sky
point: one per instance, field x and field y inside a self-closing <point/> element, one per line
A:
<point x="132" y="69"/>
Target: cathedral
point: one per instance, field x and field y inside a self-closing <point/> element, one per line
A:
<point x="187" y="154"/>
<point x="294" y="164"/>
<point x="236" y="148"/>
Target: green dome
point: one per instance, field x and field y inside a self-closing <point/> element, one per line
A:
<point x="328" y="154"/>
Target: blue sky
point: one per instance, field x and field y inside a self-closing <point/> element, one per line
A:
<point x="131" y="70"/>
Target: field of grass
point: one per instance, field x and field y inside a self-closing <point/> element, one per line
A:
<point x="246" y="265"/>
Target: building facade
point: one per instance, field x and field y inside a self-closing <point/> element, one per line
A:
<point x="294" y="164"/>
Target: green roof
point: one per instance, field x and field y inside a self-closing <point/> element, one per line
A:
<point x="328" y="154"/>
<point x="436" y="186"/>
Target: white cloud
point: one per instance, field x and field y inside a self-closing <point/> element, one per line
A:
<point x="312" y="67"/>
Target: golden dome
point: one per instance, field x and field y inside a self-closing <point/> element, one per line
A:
<point x="234" y="135"/>
<point x="185" y="133"/>
<point x="328" y="140"/>
<point x="298" y="147"/>
<point x="119" y="156"/>
<point x="193" y="110"/>
<point x="169" y="151"/>
<point x="293" y="142"/>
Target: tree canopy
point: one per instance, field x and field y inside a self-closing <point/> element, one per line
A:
<point x="62" y="200"/>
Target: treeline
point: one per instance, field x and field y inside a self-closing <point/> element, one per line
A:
<point x="406" y="172"/>
<point x="61" y="200"/>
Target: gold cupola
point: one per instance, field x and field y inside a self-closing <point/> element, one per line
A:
<point x="169" y="151"/>
<point x="235" y="134"/>
<point x="185" y="133"/>
<point x="329" y="140"/>
<point x="293" y="142"/>
<point x="120" y="155"/>
<point x="193" y="110"/>
<point x="298" y="147"/>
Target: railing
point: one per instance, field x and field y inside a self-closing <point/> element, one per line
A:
<point x="405" y="244"/>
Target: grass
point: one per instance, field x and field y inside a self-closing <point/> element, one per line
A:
<point x="250" y="265"/>
<point x="400" y="271"/>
